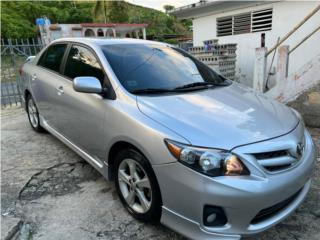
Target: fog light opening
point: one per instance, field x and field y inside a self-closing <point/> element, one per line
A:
<point x="214" y="216"/>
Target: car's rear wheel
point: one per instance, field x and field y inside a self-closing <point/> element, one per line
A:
<point x="33" y="114"/>
<point x="137" y="186"/>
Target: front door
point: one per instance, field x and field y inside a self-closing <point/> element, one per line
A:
<point x="82" y="115"/>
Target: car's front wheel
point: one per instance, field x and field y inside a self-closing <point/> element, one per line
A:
<point x="33" y="114"/>
<point x="137" y="186"/>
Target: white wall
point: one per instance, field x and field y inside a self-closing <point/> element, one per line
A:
<point x="286" y="15"/>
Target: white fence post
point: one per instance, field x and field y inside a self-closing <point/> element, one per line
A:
<point x="282" y="64"/>
<point x="144" y="34"/>
<point x="260" y="65"/>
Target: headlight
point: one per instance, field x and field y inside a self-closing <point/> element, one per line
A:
<point x="211" y="162"/>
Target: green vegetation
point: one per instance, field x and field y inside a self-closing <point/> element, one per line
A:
<point x="107" y="11"/>
<point x="18" y="17"/>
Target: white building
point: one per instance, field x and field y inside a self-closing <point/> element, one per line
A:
<point x="50" y="32"/>
<point x="244" y="22"/>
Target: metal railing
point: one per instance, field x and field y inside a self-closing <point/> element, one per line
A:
<point x="283" y="39"/>
<point x="13" y="54"/>
<point x="303" y="21"/>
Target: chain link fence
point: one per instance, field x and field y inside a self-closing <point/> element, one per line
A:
<point x="14" y="53"/>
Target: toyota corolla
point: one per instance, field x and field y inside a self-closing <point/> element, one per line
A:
<point x="206" y="156"/>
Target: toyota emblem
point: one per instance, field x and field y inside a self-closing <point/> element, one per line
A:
<point x="299" y="150"/>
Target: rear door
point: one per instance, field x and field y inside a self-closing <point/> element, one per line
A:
<point x="44" y="80"/>
<point x="82" y="115"/>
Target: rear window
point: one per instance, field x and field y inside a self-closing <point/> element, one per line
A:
<point x="52" y="57"/>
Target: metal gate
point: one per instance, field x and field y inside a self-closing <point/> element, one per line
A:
<point x="13" y="54"/>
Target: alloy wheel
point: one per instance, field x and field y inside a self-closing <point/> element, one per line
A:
<point x="135" y="185"/>
<point x="33" y="113"/>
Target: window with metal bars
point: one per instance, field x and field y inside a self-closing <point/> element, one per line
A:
<point x="255" y="21"/>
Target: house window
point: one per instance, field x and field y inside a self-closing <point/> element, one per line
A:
<point x="262" y="20"/>
<point x="89" y="33"/>
<point x="224" y="26"/>
<point x="100" y="33"/>
<point x="255" y="21"/>
<point x="242" y="23"/>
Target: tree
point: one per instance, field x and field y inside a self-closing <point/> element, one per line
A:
<point x="167" y="8"/>
<point x="15" y="22"/>
<point x="118" y="11"/>
<point x="100" y="10"/>
<point x="18" y="17"/>
<point x="111" y="11"/>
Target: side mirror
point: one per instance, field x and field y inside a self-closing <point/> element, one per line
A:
<point x="87" y="85"/>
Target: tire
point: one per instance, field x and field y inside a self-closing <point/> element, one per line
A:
<point x="33" y="115"/>
<point x="141" y="182"/>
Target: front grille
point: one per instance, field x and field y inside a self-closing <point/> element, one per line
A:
<point x="268" y="155"/>
<point x="276" y="160"/>
<point x="281" y="153"/>
<point x="277" y="168"/>
<point x="269" y="212"/>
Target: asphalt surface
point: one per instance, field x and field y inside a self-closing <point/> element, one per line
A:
<point x="48" y="192"/>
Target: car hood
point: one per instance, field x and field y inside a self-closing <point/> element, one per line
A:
<point x="223" y="117"/>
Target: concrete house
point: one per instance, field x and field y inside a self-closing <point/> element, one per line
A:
<point x="254" y="24"/>
<point x="50" y="32"/>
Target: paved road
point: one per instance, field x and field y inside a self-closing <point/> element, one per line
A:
<point x="48" y="192"/>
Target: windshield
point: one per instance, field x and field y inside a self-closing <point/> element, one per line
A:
<point x="156" y="67"/>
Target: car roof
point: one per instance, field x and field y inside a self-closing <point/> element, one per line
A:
<point x="106" y="41"/>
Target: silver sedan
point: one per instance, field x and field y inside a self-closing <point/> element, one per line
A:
<point x="204" y="155"/>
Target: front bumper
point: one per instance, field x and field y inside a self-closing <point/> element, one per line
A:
<point x="186" y="192"/>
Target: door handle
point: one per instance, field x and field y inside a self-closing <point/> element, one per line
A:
<point x="34" y="77"/>
<point x="60" y="90"/>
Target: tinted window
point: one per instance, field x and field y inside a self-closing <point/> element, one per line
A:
<point x="81" y="62"/>
<point x="140" y="66"/>
<point x="52" y="58"/>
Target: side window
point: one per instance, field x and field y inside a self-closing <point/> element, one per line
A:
<point x="52" y="57"/>
<point x="81" y="62"/>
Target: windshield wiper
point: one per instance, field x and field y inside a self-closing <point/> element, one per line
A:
<point x="190" y="86"/>
<point x="194" y="85"/>
<point x="152" y="90"/>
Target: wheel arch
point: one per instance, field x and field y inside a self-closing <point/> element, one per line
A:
<point x="115" y="148"/>
<point x="119" y="145"/>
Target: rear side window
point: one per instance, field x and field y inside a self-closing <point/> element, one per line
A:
<point x="52" y="58"/>
<point x="81" y="62"/>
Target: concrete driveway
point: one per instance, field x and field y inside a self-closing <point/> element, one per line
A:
<point x="48" y="192"/>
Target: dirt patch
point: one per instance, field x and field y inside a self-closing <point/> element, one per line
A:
<point x="58" y="180"/>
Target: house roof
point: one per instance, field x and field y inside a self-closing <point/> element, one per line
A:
<point x="114" y="24"/>
<point x="204" y="8"/>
